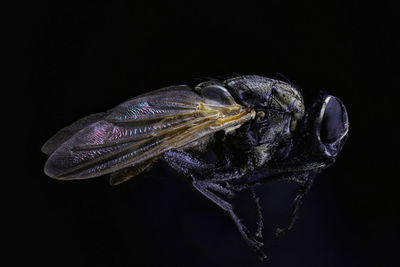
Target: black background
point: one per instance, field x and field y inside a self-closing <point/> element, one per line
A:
<point x="86" y="57"/>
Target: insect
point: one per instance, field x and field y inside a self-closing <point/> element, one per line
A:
<point x="257" y="128"/>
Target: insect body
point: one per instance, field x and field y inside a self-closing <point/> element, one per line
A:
<point x="257" y="128"/>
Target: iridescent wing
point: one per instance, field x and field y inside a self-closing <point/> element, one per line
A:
<point x="141" y="129"/>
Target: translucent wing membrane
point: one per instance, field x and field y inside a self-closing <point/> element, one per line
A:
<point x="140" y="130"/>
<point x="64" y="134"/>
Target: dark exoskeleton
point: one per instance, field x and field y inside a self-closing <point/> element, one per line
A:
<point x="257" y="128"/>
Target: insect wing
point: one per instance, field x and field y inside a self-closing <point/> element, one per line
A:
<point x="67" y="132"/>
<point x="141" y="129"/>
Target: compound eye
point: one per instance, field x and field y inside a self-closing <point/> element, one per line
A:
<point x="334" y="123"/>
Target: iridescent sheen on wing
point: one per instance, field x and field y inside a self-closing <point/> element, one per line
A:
<point x="141" y="129"/>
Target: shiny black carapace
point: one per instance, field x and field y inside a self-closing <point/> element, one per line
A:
<point x="258" y="129"/>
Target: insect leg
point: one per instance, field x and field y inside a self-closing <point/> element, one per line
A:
<point x="203" y="187"/>
<point x="219" y="188"/>
<point x="194" y="168"/>
<point x="259" y="213"/>
<point x="301" y="192"/>
<point x="185" y="163"/>
<point x="190" y="166"/>
<point x="256" y="199"/>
